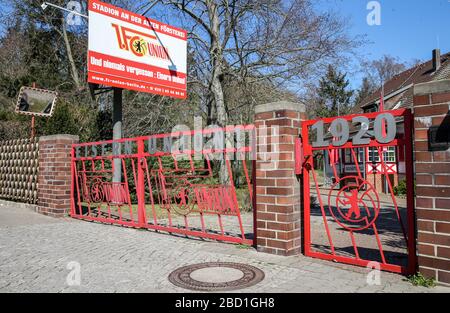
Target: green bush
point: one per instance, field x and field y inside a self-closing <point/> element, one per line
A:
<point x="401" y="189"/>
<point x="419" y="280"/>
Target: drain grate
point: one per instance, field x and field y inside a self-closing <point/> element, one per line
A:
<point x="216" y="276"/>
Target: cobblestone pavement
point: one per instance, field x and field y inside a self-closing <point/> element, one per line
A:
<point x="34" y="258"/>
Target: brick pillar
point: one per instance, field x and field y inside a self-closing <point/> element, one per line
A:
<point x="277" y="187"/>
<point x="432" y="108"/>
<point x="54" y="179"/>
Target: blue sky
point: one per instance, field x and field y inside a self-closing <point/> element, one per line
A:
<point x="409" y="28"/>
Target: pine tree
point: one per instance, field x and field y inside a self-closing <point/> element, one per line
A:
<point x="333" y="94"/>
<point x="366" y="89"/>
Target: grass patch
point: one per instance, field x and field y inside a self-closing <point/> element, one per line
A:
<point x="419" y="280"/>
<point x="241" y="246"/>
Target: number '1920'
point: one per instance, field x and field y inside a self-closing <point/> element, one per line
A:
<point x="340" y="131"/>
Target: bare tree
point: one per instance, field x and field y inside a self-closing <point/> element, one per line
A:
<point x="252" y="41"/>
<point x="271" y="43"/>
<point x="147" y="114"/>
<point x="381" y="70"/>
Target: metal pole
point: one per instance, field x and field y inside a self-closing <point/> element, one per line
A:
<point x="33" y="120"/>
<point x="141" y="183"/>
<point x="32" y="127"/>
<point x="44" y="5"/>
<point x="117" y="133"/>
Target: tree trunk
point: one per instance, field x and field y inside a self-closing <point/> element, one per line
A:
<point x="222" y="118"/>
<point x="217" y="90"/>
<point x="216" y="82"/>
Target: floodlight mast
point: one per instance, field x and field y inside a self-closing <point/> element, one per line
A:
<point x="44" y="6"/>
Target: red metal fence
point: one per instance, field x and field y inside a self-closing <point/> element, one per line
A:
<point x="349" y="216"/>
<point x="192" y="183"/>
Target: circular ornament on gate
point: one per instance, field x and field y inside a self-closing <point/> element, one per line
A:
<point x="182" y="197"/>
<point x="96" y="190"/>
<point x="355" y="206"/>
<point x="216" y="276"/>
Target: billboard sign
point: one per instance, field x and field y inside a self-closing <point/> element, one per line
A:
<point x="131" y="51"/>
<point x="34" y="101"/>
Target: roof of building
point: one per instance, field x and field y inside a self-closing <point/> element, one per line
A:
<point x="398" y="91"/>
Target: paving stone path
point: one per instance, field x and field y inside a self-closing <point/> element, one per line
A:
<point x="35" y="251"/>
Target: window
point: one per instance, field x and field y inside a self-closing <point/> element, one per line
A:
<point x="348" y="158"/>
<point x="361" y="155"/>
<point x="348" y="155"/>
<point x="373" y="155"/>
<point x="373" y="108"/>
<point x="388" y="155"/>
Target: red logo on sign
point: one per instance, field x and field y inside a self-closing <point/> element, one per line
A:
<point x="141" y="44"/>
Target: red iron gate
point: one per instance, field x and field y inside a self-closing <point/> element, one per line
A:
<point x="167" y="184"/>
<point x="349" y="216"/>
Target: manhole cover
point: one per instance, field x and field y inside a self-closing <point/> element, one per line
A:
<point x="216" y="276"/>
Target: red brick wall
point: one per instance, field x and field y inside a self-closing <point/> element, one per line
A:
<point x="378" y="181"/>
<point x="431" y="107"/>
<point x="277" y="187"/>
<point x="54" y="180"/>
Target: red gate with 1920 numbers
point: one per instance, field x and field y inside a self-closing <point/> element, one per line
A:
<point x="351" y="167"/>
<point x="167" y="183"/>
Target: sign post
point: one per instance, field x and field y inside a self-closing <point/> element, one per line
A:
<point x="117" y="131"/>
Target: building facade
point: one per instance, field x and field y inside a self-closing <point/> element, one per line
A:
<point x="398" y="94"/>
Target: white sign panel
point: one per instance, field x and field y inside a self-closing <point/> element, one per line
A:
<point x="131" y="51"/>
